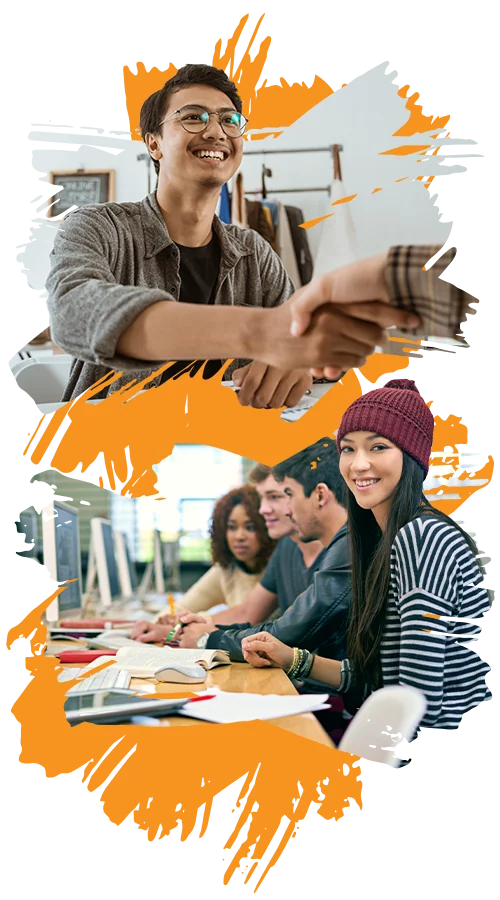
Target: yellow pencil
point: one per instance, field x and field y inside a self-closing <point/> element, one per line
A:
<point x="171" y="603"/>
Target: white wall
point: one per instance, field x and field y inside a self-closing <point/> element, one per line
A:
<point x="362" y="117"/>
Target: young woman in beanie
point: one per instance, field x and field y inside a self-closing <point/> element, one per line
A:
<point x="415" y="575"/>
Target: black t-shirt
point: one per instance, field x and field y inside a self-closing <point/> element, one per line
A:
<point x="199" y="270"/>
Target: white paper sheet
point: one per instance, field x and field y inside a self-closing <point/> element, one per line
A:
<point x="228" y="707"/>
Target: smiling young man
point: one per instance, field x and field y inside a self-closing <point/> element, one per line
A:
<point x="288" y="573"/>
<point x="114" y="266"/>
<point x="317" y="618"/>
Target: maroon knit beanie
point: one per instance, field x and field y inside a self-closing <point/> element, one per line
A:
<point x="397" y="412"/>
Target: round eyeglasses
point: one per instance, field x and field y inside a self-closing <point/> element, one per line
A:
<point x="196" y="119"/>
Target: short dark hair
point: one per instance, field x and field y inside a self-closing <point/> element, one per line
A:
<point x="153" y="109"/>
<point x="259" y="473"/>
<point x="317" y="464"/>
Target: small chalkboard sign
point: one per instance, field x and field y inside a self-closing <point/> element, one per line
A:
<point x="81" y="188"/>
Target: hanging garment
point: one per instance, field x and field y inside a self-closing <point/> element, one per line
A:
<point x="273" y="209"/>
<point x="238" y="205"/>
<point x="225" y="205"/>
<point x="258" y="220"/>
<point x="338" y="244"/>
<point x="270" y="224"/>
<point x="285" y="248"/>
<point x="300" y="243"/>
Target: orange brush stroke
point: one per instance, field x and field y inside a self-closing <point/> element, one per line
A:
<point x="262" y="135"/>
<point x="312" y="222"/>
<point x="261" y="105"/>
<point x="250" y="748"/>
<point x="418" y="123"/>
<point x="405" y="150"/>
<point x="214" y="417"/>
<point x="344" y="199"/>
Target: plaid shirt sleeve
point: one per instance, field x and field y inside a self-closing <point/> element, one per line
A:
<point x="441" y="306"/>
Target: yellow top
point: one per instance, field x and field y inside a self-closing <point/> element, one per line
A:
<point x="218" y="585"/>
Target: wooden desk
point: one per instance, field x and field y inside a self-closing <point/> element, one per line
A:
<point x="238" y="678"/>
<point x="242" y="678"/>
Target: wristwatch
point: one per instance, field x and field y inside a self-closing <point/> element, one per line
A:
<point x="201" y="643"/>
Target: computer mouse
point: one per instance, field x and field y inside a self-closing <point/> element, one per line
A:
<point x="181" y="674"/>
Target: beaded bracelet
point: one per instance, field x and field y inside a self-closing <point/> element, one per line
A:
<point x="306" y="666"/>
<point x="307" y="672"/>
<point x="301" y="665"/>
<point x="294" y="662"/>
<point x="298" y="658"/>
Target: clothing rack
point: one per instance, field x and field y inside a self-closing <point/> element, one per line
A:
<point x="334" y="149"/>
<point x="296" y="150"/>
<point x="290" y="191"/>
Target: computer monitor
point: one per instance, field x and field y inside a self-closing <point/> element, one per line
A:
<point x="61" y="556"/>
<point x="28" y="525"/>
<point x="103" y="547"/>
<point x="159" y="565"/>
<point x="126" y="569"/>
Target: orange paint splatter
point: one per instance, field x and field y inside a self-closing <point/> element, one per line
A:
<point x="250" y="749"/>
<point x="405" y="150"/>
<point x="418" y="123"/>
<point x="262" y="135"/>
<point x="140" y="86"/>
<point x="259" y="106"/>
<point x="405" y="340"/>
<point x="344" y="199"/>
<point x="375" y="190"/>
<point x="312" y="222"/>
<point x="214" y="417"/>
<point x="449" y="433"/>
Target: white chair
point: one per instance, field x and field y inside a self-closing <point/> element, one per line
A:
<point x="386" y="718"/>
<point x="44" y="379"/>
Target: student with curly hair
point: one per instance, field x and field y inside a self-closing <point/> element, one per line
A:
<point x="241" y="548"/>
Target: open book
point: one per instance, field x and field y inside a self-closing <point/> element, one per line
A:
<point x="142" y="661"/>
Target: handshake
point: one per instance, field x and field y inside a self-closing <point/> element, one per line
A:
<point x="328" y="326"/>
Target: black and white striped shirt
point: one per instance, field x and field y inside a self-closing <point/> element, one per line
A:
<point x="434" y="579"/>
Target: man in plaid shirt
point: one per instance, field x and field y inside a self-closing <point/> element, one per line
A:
<point x="398" y="277"/>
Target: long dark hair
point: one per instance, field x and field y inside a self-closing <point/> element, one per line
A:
<point x="370" y="555"/>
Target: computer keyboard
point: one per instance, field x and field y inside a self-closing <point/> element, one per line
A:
<point x="107" y="680"/>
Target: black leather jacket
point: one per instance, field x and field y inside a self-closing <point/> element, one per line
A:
<point x="317" y="620"/>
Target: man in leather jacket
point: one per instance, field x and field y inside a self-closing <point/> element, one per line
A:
<point x="318" y="617"/>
